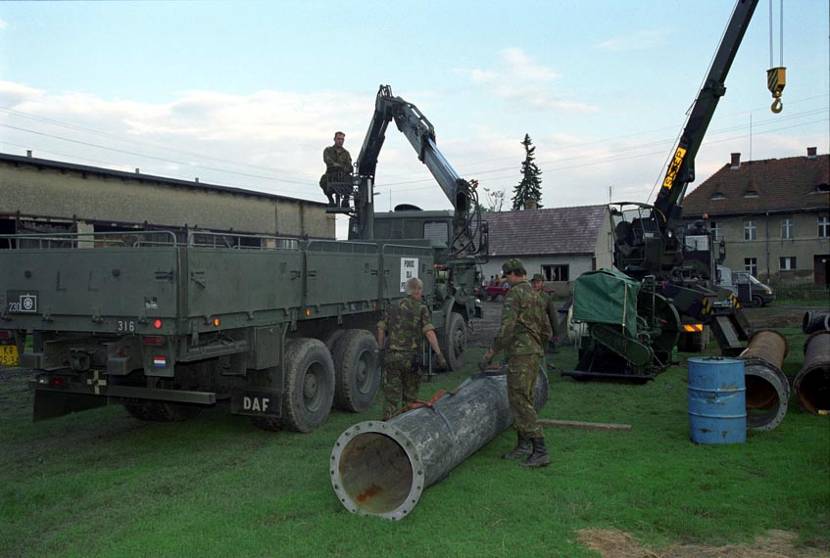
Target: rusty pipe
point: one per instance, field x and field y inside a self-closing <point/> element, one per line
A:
<point x="767" y="388"/>
<point x="382" y="468"/>
<point x="812" y="384"/>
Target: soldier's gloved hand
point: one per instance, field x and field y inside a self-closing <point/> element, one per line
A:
<point x="442" y="362"/>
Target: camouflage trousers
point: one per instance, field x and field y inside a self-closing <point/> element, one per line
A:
<point x="521" y="378"/>
<point x="401" y="382"/>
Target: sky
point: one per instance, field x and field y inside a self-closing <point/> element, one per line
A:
<point x="248" y="93"/>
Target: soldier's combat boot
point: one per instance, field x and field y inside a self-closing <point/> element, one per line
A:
<point x="539" y="457"/>
<point x="521" y="451"/>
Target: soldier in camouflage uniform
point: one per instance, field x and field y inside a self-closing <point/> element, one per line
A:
<point x="524" y="331"/>
<point x="338" y="169"/>
<point x="404" y="323"/>
<point x="538" y="284"/>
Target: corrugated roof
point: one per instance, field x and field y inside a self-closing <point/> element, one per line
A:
<point x="148" y="178"/>
<point x="768" y="185"/>
<point x="556" y="230"/>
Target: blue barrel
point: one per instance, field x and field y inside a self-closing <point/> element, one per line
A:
<point x="717" y="401"/>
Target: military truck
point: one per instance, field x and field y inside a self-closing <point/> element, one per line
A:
<point x="170" y="322"/>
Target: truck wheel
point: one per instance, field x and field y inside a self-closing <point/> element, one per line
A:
<point x="309" y="381"/>
<point x="356" y="370"/>
<point x="757" y="301"/>
<point x="454" y="341"/>
<point x="160" y="411"/>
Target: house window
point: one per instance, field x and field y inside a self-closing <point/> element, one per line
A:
<point x="715" y="229"/>
<point x="786" y="263"/>
<point x="787" y="229"/>
<point x="557" y="272"/>
<point x="750" y="230"/>
<point x="751" y="266"/>
<point x="824" y="227"/>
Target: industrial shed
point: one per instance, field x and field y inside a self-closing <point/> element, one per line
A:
<point x="40" y="195"/>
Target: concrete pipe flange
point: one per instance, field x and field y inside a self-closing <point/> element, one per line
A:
<point x="376" y="471"/>
<point x="767" y="395"/>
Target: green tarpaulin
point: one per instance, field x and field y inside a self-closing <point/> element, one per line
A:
<point x="607" y="296"/>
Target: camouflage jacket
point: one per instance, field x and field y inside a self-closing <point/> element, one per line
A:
<point x="525" y="328"/>
<point x="338" y="160"/>
<point x="550" y="309"/>
<point x="405" y="322"/>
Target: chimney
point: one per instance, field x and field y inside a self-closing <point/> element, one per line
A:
<point x="196" y="180"/>
<point x="29" y="153"/>
<point x="531" y="204"/>
<point x="736" y="161"/>
<point x="811" y="153"/>
<point x="137" y="170"/>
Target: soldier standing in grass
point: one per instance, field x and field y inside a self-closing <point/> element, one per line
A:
<point x="338" y="168"/>
<point x="404" y="323"/>
<point x="523" y="333"/>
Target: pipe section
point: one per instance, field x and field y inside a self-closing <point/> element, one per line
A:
<point x="812" y="385"/>
<point x="815" y="320"/>
<point x="382" y="468"/>
<point x="767" y="388"/>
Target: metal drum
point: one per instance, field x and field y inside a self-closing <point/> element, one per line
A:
<point x="717" y="401"/>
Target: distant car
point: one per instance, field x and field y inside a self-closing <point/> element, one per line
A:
<point x="497" y="291"/>
<point x="746" y="287"/>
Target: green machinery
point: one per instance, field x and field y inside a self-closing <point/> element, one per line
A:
<point x="630" y="330"/>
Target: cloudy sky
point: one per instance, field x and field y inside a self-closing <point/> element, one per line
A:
<point x="247" y="94"/>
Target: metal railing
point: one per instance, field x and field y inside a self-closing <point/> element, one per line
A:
<point x="125" y="239"/>
<point x="209" y="239"/>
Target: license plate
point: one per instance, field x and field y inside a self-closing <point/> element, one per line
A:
<point x="256" y="403"/>
<point x="8" y="355"/>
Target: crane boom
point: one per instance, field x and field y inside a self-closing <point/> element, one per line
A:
<point x="681" y="170"/>
<point x="420" y="133"/>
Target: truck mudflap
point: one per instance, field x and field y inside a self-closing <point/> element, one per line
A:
<point x="64" y="392"/>
<point x="256" y="403"/>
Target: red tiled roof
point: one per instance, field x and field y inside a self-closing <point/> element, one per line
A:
<point x="556" y="230"/>
<point x="781" y="185"/>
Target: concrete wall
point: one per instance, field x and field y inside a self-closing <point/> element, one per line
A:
<point x="48" y="192"/>
<point x="769" y="246"/>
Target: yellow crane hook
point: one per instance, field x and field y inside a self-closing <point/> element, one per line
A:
<point x="776" y="80"/>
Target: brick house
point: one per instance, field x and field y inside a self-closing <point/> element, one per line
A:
<point x="773" y="214"/>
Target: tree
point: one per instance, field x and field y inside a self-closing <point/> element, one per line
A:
<point x="494" y="200"/>
<point x="528" y="192"/>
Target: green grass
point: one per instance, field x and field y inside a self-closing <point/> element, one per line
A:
<point x="103" y="484"/>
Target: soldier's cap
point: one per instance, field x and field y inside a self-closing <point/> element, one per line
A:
<point x="513" y="265"/>
<point x="537" y="277"/>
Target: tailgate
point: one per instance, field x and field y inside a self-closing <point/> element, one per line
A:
<point x="113" y="289"/>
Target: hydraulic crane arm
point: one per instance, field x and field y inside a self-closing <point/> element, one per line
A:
<point x="681" y="169"/>
<point x="421" y="135"/>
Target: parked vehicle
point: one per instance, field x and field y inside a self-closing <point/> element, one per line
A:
<point x="745" y="286"/>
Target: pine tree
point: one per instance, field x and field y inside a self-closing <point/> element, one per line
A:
<point x="529" y="190"/>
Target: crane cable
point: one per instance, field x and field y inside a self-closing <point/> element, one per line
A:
<point x="776" y="75"/>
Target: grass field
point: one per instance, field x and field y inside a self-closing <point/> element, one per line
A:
<point x="103" y="484"/>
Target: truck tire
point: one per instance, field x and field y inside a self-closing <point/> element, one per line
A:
<point x="309" y="382"/>
<point x="160" y="411"/>
<point x="356" y="371"/>
<point x="454" y="341"/>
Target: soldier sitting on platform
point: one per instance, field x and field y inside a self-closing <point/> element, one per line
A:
<point x="338" y="170"/>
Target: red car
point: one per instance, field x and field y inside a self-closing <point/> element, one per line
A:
<point x="497" y="291"/>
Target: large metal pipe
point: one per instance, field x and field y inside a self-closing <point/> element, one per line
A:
<point x="767" y="388"/>
<point x="815" y="320"/>
<point x="813" y="381"/>
<point x="382" y="468"/>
